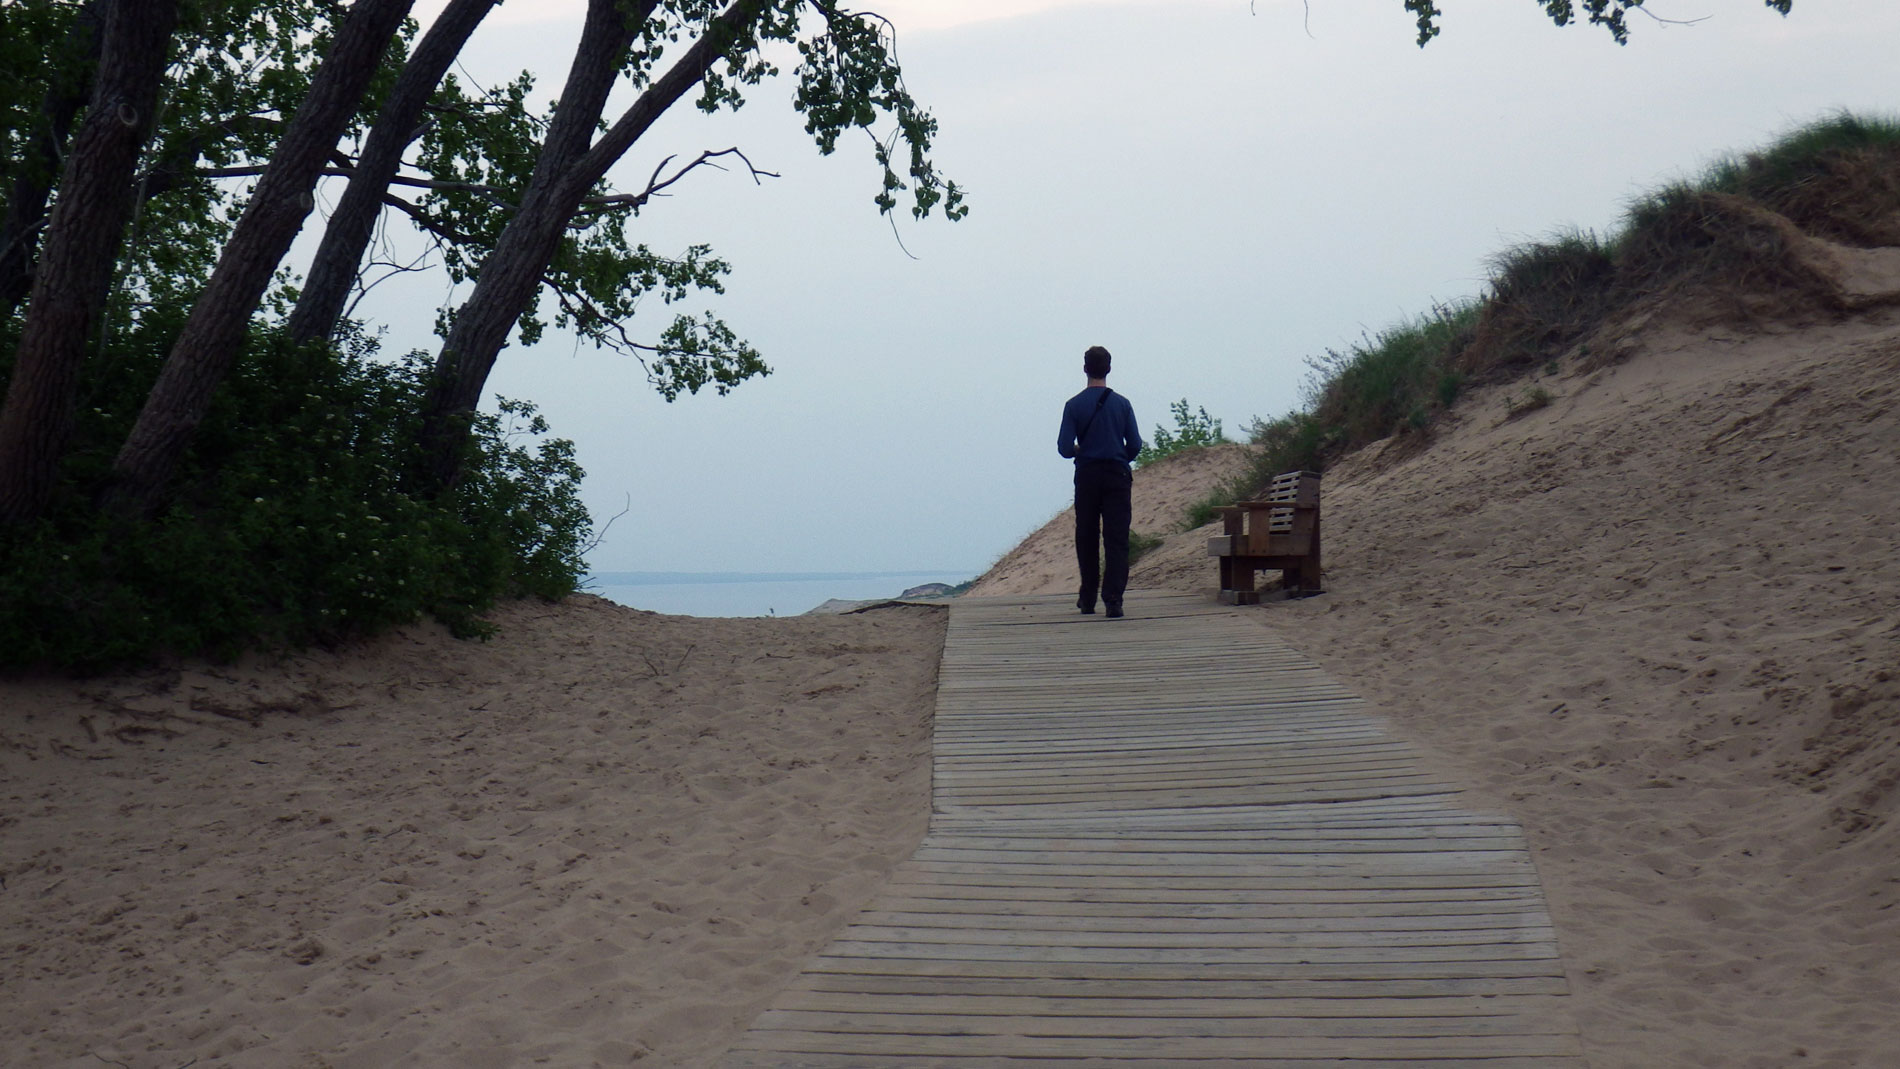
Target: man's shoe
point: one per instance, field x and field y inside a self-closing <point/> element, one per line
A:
<point x="1114" y="612"/>
<point x="1087" y="607"/>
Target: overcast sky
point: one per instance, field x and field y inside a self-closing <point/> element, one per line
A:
<point x="1215" y="190"/>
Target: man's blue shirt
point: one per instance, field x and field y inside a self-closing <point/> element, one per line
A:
<point x="1112" y="435"/>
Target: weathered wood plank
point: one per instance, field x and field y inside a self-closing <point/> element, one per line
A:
<point x="1146" y="1024"/>
<point x="1000" y="1045"/>
<point x="1157" y="921"/>
<point x="1179" y="967"/>
<point x="947" y="1060"/>
<point x="1162" y="1003"/>
<point x="1043" y="985"/>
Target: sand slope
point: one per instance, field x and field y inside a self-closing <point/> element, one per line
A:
<point x="1658" y="620"/>
<point x="604" y="837"/>
<point x="1044" y="563"/>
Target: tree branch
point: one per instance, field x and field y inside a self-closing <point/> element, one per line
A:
<point x="655" y="184"/>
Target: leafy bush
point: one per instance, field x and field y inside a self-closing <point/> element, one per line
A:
<point x="293" y="524"/>
<point x="1192" y="430"/>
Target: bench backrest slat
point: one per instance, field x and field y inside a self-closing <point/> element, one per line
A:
<point x="1290" y="488"/>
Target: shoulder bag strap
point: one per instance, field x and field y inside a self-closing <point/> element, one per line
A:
<point x="1099" y="402"/>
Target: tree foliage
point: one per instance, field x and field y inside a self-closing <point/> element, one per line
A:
<point x="1612" y="15"/>
<point x="284" y="501"/>
<point x="1192" y="430"/>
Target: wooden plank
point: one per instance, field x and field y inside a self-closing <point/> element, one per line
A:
<point x="1376" y="960"/>
<point x="1139" y="1025"/>
<point x="1161" y="1003"/>
<point x="1158" y="921"/>
<point x="1364" y="909"/>
<point x="1077" y="937"/>
<point x="1266" y="840"/>
<point x="1274" y="886"/>
<point x="745" y="1059"/>
<point x="1390" y="893"/>
<point x="931" y="1046"/>
<point x="1121" y="982"/>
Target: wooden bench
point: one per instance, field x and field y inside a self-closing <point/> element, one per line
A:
<point x="1280" y="531"/>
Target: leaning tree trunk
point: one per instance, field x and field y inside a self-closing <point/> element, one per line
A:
<point x="510" y="275"/>
<point x="96" y="195"/>
<point x="214" y="333"/>
<point x="326" y="288"/>
<point x="74" y="70"/>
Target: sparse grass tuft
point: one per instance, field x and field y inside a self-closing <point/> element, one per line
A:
<point x="1140" y="545"/>
<point x="1529" y="401"/>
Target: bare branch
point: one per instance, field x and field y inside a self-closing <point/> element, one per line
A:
<point x="578" y="307"/>
<point x="1672" y="22"/>
<point x="600" y="533"/>
<point x="656" y="185"/>
<point x="419" y="264"/>
<point x="428" y="222"/>
<point x="494" y="193"/>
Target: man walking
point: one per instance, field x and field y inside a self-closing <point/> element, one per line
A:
<point x="1099" y="432"/>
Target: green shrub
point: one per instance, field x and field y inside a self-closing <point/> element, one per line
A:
<point x="1192" y="430"/>
<point x="292" y="523"/>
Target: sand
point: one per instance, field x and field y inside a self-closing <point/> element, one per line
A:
<point x="605" y="837"/>
<point x="1657" y="621"/>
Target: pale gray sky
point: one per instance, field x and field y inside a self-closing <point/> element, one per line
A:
<point x="1214" y="190"/>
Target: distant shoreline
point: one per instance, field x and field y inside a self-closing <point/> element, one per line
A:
<point x="679" y="578"/>
<point x="715" y="594"/>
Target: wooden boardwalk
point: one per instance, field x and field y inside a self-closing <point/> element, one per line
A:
<point x="1170" y="841"/>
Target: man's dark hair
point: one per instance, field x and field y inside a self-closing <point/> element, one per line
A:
<point x="1095" y="362"/>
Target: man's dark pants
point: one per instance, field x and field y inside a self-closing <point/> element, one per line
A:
<point x="1102" y="506"/>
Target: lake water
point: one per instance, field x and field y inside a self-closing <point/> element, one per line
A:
<point x="753" y="593"/>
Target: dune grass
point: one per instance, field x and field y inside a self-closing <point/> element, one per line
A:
<point x="1729" y="235"/>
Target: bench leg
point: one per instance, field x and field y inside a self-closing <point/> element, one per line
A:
<point x="1237" y="582"/>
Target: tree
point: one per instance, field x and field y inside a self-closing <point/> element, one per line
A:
<point x="33" y="161"/>
<point x="82" y="243"/>
<point x="221" y="316"/>
<point x="333" y="270"/>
